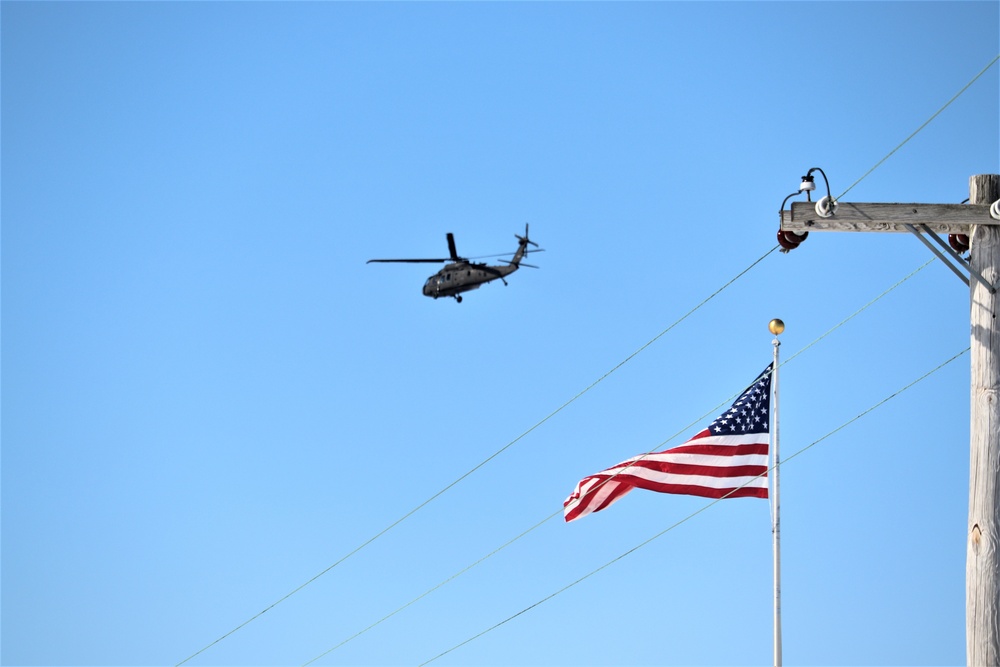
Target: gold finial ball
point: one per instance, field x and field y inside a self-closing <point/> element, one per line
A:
<point x="776" y="326"/>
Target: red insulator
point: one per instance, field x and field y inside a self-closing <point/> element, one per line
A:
<point x="790" y="240"/>
<point x="960" y="242"/>
<point x="785" y="243"/>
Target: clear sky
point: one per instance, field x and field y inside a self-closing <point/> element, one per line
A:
<point x="209" y="398"/>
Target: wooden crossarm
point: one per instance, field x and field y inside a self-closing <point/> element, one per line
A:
<point x="860" y="217"/>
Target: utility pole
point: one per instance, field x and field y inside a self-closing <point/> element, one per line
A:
<point x="982" y="565"/>
<point x="973" y="225"/>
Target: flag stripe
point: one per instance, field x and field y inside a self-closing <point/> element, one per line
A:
<point x="706" y="437"/>
<point x="646" y="478"/>
<point x="725" y="472"/>
<point x="711" y="492"/>
<point x="718" y="450"/>
<point x="608" y="493"/>
<point x="670" y="458"/>
<point x="643" y="478"/>
<point x="604" y="496"/>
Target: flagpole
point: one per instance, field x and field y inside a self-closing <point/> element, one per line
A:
<point x="776" y="327"/>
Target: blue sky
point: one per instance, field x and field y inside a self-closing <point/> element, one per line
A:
<point x="209" y="398"/>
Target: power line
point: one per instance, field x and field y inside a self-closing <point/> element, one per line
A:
<point x="659" y="447"/>
<point x="483" y="462"/>
<point x="694" y="514"/>
<point x="433" y="588"/>
<point x="858" y="312"/>
<point x="926" y="123"/>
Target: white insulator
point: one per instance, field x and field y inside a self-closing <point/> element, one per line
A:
<point x="995" y="210"/>
<point x="826" y="207"/>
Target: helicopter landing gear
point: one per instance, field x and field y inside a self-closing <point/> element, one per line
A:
<point x="458" y="298"/>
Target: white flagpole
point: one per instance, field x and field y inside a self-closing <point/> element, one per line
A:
<point x="776" y="327"/>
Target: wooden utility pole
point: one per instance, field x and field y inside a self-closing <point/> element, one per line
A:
<point x="982" y="578"/>
<point x="982" y="573"/>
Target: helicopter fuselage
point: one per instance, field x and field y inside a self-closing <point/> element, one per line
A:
<point x="454" y="279"/>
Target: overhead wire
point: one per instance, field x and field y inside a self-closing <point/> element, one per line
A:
<point x="483" y="462"/>
<point x="432" y="589"/>
<point x="658" y="447"/>
<point x="693" y="514"/>
<point x="860" y="310"/>
<point x="926" y="123"/>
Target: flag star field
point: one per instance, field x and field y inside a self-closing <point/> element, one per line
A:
<point x="749" y="413"/>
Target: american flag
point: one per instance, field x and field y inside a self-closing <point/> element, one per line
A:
<point x="729" y="458"/>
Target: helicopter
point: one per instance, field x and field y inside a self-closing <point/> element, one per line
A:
<point x="462" y="275"/>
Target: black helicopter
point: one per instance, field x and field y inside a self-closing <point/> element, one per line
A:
<point x="462" y="275"/>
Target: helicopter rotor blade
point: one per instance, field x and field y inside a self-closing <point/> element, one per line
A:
<point x="451" y="247"/>
<point x="454" y="257"/>
<point x="410" y="261"/>
<point x="496" y="254"/>
<point x="531" y="266"/>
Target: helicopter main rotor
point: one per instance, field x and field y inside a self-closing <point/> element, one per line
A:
<point x="454" y="256"/>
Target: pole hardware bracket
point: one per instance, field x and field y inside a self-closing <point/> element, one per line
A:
<point x="921" y="229"/>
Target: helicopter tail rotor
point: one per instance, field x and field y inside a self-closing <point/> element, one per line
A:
<point x="524" y="240"/>
<point x="522" y="249"/>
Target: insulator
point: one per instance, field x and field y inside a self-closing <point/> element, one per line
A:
<point x="788" y="240"/>
<point x="960" y="242"/>
<point x="826" y="207"/>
